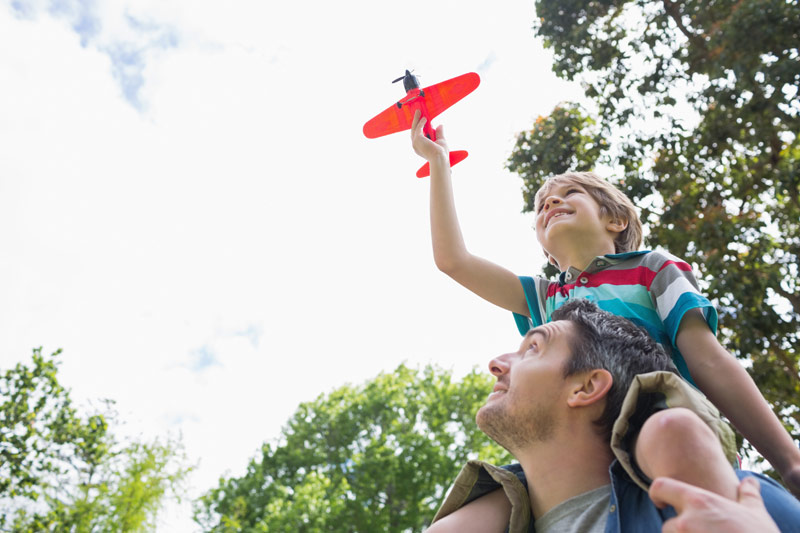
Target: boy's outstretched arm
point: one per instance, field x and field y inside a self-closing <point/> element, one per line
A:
<point x="728" y="385"/>
<point x="492" y="282"/>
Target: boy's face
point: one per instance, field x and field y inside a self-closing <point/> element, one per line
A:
<point x="566" y="213"/>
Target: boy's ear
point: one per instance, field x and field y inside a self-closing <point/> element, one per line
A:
<point x="550" y="258"/>
<point x="590" y="387"/>
<point x="617" y="225"/>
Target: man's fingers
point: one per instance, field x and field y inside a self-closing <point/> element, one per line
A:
<point x="749" y="493"/>
<point x="673" y="525"/>
<point x="667" y="491"/>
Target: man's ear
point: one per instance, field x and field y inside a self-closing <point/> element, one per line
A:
<point x="590" y="387"/>
<point x="617" y="225"/>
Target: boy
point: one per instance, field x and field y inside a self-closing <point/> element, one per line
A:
<point x="591" y="232"/>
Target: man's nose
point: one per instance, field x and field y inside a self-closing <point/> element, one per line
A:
<point x="499" y="365"/>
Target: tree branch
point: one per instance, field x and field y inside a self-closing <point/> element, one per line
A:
<point x="672" y="9"/>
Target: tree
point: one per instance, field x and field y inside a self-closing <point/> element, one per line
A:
<point x="698" y="104"/>
<point x="65" y="471"/>
<point x="375" y="457"/>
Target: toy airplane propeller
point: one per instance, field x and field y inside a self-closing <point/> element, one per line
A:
<point x="430" y="101"/>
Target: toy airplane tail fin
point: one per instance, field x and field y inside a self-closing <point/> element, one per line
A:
<point x="455" y="157"/>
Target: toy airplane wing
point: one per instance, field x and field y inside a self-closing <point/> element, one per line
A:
<point x="435" y="98"/>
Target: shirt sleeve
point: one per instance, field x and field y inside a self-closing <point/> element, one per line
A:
<point x="674" y="291"/>
<point x="477" y="479"/>
<point x="524" y="323"/>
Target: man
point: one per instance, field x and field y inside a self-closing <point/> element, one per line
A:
<point x="553" y="407"/>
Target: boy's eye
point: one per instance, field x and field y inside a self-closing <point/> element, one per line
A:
<point x="570" y="191"/>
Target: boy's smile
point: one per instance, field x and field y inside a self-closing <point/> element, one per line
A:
<point x="570" y="226"/>
<point x="567" y="200"/>
<point x="555" y="212"/>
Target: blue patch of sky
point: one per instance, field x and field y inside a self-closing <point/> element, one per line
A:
<point x="202" y="358"/>
<point x="127" y="67"/>
<point x="162" y="36"/>
<point x="252" y="333"/>
<point x="487" y="63"/>
<point x="22" y="9"/>
<point x="82" y="16"/>
<point x="179" y="419"/>
<point x="128" y="57"/>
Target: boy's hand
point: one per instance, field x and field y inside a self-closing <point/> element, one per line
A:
<point x="425" y="147"/>
<point x="791" y="478"/>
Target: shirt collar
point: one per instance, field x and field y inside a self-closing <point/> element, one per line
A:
<point x="599" y="263"/>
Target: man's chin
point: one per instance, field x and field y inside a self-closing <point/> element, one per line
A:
<point x="484" y="413"/>
<point x="486" y="418"/>
<point x="514" y="431"/>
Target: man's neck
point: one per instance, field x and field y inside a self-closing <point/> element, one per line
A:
<point x="559" y="470"/>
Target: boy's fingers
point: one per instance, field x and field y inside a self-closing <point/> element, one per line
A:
<point x="417" y="123"/>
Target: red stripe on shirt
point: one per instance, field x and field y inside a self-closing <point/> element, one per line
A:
<point x="640" y="275"/>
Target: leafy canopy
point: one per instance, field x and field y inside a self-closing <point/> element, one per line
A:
<point x="695" y="104"/>
<point x="374" y="457"/>
<point x="61" y="470"/>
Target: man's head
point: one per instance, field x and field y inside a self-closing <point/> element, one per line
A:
<point x="585" y="357"/>
<point x="611" y="201"/>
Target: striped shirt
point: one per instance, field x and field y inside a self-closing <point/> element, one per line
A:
<point x="652" y="289"/>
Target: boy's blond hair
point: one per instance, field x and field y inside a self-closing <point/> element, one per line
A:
<point x="612" y="201"/>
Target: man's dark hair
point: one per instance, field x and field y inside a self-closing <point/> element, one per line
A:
<point x="613" y="343"/>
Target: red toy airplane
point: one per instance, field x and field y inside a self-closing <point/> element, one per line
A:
<point x="430" y="101"/>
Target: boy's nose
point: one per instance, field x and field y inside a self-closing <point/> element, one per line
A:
<point x="551" y="201"/>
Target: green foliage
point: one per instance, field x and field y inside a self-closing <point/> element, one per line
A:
<point x="699" y="101"/>
<point x="566" y="140"/>
<point x="64" y="471"/>
<point x="375" y="457"/>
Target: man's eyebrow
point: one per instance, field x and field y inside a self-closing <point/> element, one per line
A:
<point x="539" y="330"/>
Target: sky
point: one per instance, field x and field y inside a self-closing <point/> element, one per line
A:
<point x="189" y="209"/>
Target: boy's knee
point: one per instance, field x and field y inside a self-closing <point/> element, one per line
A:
<point x="676" y="425"/>
<point x="675" y="435"/>
<point x="677" y="443"/>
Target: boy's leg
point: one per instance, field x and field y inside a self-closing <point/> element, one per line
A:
<point x="488" y="513"/>
<point x="676" y="443"/>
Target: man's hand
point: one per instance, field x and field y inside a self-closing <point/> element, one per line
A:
<point x="425" y="147"/>
<point x="703" y="511"/>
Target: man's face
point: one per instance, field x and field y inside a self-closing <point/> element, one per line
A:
<point x="524" y="405"/>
